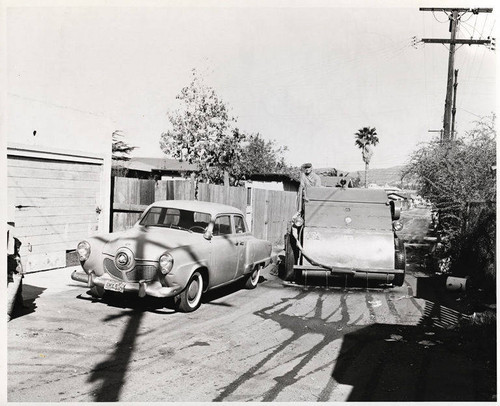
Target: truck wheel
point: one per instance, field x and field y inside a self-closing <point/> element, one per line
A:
<point x="400" y="262"/>
<point x="287" y="273"/>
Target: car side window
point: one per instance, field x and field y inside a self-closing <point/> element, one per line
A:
<point x="222" y="225"/>
<point x="239" y="225"/>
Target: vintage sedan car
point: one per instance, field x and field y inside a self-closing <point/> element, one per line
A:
<point x="179" y="249"/>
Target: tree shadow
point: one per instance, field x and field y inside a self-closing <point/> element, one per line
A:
<point x="110" y="374"/>
<point x="411" y="363"/>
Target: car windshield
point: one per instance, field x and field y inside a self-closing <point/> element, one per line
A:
<point x="176" y="218"/>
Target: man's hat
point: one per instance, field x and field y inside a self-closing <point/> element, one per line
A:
<point x="306" y="165"/>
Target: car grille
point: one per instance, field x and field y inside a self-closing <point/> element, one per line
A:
<point x="138" y="273"/>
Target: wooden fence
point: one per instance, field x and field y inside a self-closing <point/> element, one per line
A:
<point x="270" y="210"/>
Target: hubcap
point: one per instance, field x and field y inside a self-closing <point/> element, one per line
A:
<point x="255" y="276"/>
<point x="194" y="290"/>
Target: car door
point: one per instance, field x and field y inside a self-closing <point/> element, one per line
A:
<point x="225" y="250"/>
<point x="241" y="238"/>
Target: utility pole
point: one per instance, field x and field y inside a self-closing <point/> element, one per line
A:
<point x="437" y="131"/>
<point x="454" y="109"/>
<point x="454" y="16"/>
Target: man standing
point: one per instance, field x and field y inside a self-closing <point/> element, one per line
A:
<point x="307" y="179"/>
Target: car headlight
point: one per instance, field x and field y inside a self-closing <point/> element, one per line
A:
<point x="166" y="263"/>
<point x="297" y="220"/>
<point x="397" y="225"/>
<point x="83" y="250"/>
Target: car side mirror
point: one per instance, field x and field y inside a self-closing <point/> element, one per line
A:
<point x="208" y="235"/>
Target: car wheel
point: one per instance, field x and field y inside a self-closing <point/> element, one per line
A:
<point x="190" y="298"/>
<point x="97" y="291"/>
<point x="253" y="279"/>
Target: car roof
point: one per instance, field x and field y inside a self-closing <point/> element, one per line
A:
<point x="196" y="205"/>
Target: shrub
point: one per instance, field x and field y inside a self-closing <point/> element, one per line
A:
<point x="459" y="179"/>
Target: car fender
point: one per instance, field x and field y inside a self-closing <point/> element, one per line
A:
<point x="185" y="265"/>
<point x="257" y="252"/>
<point x="94" y="262"/>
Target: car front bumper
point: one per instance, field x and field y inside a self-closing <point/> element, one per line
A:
<point x="143" y="288"/>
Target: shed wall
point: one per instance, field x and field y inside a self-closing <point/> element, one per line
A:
<point x="58" y="199"/>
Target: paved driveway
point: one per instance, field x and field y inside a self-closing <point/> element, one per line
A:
<point x="275" y="343"/>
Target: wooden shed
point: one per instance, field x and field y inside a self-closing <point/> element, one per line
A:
<point x="55" y="198"/>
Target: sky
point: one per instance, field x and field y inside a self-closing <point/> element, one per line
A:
<point x="307" y="75"/>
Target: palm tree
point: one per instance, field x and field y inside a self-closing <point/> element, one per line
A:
<point x="366" y="139"/>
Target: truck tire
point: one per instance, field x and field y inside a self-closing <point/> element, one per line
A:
<point x="287" y="272"/>
<point x="399" y="262"/>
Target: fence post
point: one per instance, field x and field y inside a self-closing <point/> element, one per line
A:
<point x="192" y="194"/>
<point x="266" y="215"/>
<point x="226" y="187"/>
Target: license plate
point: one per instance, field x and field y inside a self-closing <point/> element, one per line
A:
<point x="114" y="286"/>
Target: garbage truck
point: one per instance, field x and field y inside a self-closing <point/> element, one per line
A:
<point x="349" y="232"/>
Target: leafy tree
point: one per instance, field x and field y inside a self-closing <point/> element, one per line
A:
<point x="260" y="157"/>
<point x="120" y="151"/>
<point x="459" y="180"/>
<point x="366" y="139"/>
<point x="203" y="133"/>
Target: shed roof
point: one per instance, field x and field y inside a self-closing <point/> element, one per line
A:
<point x="146" y="164"/>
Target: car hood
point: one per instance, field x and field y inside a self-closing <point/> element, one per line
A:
<point x="149" y="243"/>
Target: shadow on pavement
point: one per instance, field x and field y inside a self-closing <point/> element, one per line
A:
<point x="30" y="294"/>
<point x="414" y="363"/>
<point x="133" y="302"/>
<point x="110" y="374"/>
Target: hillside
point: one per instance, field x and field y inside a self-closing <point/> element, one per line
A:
<point x="380" y="176"/>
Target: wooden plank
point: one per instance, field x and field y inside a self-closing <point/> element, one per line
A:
<point x="52" y="154"/>
<point x="46" y="229"/>
<point x="54" y="201"/>
<point x="64" y="172"/>
<point x="45" y="260"/>
<point x="182" y="190"/>
<point x="138" y="208"/>
<point x="52" y="183"/>
<point x="123" y="221"/>
<point x="217" y="194"/>
<point x="147" y="192"/>
<point x="54" y="211"/>
<point x="17" y="162"/>
<point x="27" y="249"/>
<point x="237" y="198"/>
<point x="135" y="191"/>
<point x="203" y="192"/>
<point x="120" y="193"/>
<point x="259" y="213"/>
<point x="53" y="239"/>
<point x="55" y="220"/>
<point x="52" y="192"/>
<point x="161" y="190"/>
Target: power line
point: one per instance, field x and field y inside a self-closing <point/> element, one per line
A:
<point x="454" y="17"/>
